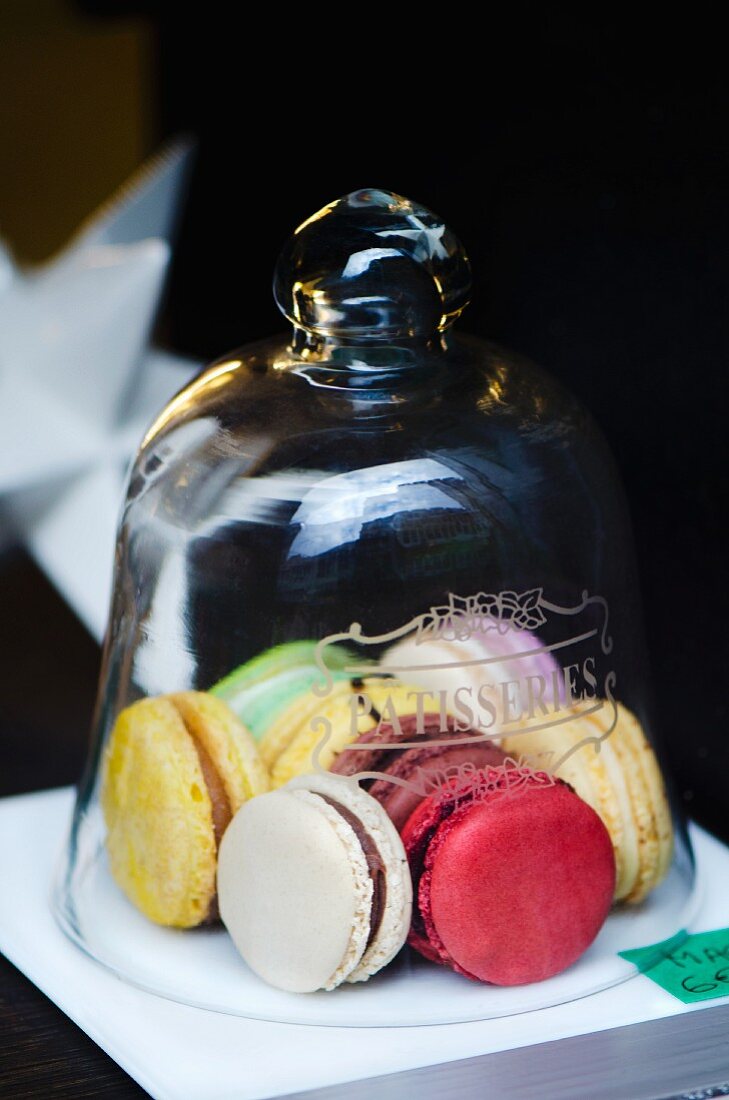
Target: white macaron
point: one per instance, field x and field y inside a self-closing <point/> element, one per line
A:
<point x="314" y="885"/>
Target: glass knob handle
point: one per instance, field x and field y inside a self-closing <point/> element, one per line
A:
<point x="372" y="266"/>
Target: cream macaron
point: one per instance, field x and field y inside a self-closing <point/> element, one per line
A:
<point x="314" y="885"/>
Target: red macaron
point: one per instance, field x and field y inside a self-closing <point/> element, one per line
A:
<point x="439" y="751"/>
<point x="513" y="876"/>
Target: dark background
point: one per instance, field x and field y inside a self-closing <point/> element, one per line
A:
<point x="590" y="184"/>
<point x="587" y="171"/>
<point x="591" y="188"/>
<point x="589" y="181"/>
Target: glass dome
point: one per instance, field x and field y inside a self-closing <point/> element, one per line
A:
<point x="375" y="635"/>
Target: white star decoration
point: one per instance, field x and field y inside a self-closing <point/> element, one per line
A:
<point x="78" y="384"/>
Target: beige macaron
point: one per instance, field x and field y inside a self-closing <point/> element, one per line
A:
<point x="605" y="756"/>
<point x="314" y="885"/>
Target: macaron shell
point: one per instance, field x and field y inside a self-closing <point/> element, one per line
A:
<point x="160" y="836"/>
<point x="362" y="887"/>
<point x="380" y="748"/>
<point x="407" y="657"/>
<point x="260" y="690"/>
<point x="429" y="764"/>
<point x="297" y="717"/>
<point x="290" y="745"/>
<point x="488" y="656"/>
<point x="287" y="891"/>
<point x="511" y="644"/>
<point x="594" y="776"/>
<point x="603" y="773"/>
<point x="622" y="782"/>
<point x="416" y="834"/>
<point x="395" y="920"/>
<point x="264" y="667"/>
<point x="655" y="826"/>
<point x="517" y="888"/>
<point x="423" y="770"/>
<point x="640" y="816"/>
<point x="336" y="710"/>
<point x="228" y="743"/>
<point x="262" y="707"/>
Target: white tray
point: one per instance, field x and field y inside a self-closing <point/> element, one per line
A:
<point x="179" y="1052"/>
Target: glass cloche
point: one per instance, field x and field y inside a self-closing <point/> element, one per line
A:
<point x="374" y="740"/>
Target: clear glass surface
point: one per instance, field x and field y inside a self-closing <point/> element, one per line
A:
<point x="380" y="483"/>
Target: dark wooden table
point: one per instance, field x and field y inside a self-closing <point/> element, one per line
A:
<point x="48" y="670"/>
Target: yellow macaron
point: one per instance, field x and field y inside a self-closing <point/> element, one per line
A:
<point x="616" y="773"/>
<point x="176" y="769"/>
<point x="351" y="708"/>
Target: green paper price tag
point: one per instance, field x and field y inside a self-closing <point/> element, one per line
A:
<point x="692" y="968"/>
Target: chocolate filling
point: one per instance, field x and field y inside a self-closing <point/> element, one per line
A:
<point x="375" y="866"/>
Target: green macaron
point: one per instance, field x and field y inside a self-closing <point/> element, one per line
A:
<point x="261" y="689"/>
